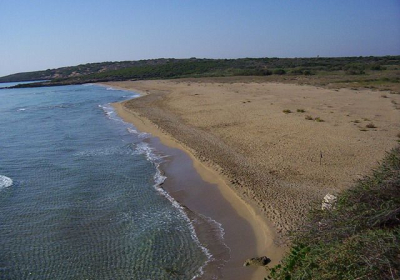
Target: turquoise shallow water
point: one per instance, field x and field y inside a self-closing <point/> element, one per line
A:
<point x="79" y="196"/>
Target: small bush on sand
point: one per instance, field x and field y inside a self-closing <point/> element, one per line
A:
<point x="318" y="119"/>
<point x="301" y="111"/>
<point x="287" y="111"/>
<point x="370" y="125"/>
<point x="309" y="118"/>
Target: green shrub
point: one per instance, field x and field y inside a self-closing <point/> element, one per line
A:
<point x="279" y="72"/>
<point x="354" y="69"/>
<point x="296" y="72"/>
<point x="376" y="67"/>
<point x="355" y="72"/>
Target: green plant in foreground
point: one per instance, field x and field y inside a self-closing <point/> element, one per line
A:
<point x="357" y="239"/>
<point x="287" y="111"/>
<point x="318" y="119"/>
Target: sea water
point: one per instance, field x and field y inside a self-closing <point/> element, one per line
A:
<point x="80" y="194"/>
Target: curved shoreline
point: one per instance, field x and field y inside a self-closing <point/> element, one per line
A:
<point x="263" y="235"/>
<point x="277" y="160"/>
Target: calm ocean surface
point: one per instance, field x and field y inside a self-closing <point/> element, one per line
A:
<point x="78" y="192"/>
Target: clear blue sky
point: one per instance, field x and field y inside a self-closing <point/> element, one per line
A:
<point x="42" y="34"/>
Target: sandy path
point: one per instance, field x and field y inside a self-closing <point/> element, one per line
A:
<point x="270" y="158"/>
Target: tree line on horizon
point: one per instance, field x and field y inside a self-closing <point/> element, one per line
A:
<point x="168" y="68"/>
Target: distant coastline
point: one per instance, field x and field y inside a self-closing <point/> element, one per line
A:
<point x="379" y="72"/>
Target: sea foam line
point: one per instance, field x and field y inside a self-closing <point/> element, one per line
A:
<point x="159" y="180"/>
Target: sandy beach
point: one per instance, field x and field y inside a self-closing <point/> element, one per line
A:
<point x="271" y="148"/>
<point x="204" y="192"/>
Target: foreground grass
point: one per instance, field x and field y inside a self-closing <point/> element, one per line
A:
<point x="358" y="239"/>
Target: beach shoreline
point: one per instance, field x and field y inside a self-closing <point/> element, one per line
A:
<point x="280" y="147"/>
<point x="276" y="148"/>
<point x="247" y="232"/>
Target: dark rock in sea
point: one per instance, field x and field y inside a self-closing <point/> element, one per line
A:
<point x="260" y="261"/>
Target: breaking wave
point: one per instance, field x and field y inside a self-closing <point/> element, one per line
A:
<point x="5" y="182"/>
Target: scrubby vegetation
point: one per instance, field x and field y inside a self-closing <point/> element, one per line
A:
<point x="359" y="238"/>
<point x="365" y="71"/>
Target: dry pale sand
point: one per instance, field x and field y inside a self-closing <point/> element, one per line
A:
<point x="271" y="159"/>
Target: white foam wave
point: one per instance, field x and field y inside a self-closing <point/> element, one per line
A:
<point x="219" y="233"/>
<point x="138" y="133"/>
<point x="5" y="182"/>
<point x="109" y="112"/>
<point x="131" y="96"/>
<point x="22" y="109"/>
<point x="159" y="179"/>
